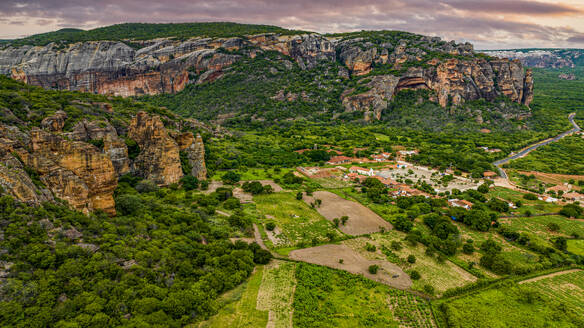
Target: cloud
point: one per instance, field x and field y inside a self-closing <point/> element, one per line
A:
<point x="487" y="23"/>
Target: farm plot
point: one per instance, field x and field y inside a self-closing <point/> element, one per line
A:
<point x="277" y="292"/>
<point x="540" y="226"/>
<point x="297" y="225"/>
<point x="361" y="219"/>
<point x="576" y="246"/>
<point x="412" y="311"/>
<point x="332" y="298"/>
<point x="440" y="275"/>
<point x="238" y="306"/>
<point x="533" y="206"/>
<point x="343" y="257"/>
<point x="554" y="301"/>
<point x="567" y="287"/>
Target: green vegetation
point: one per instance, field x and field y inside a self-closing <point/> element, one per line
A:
<point x="298" y="225"/>
<point x="332" y="298"/>
<point x="161" y="259"/>
<point x="553" y="301"/>
<point x="562" y="157"/>
<point x="140" y="31"/>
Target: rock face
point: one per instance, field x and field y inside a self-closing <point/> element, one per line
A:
<point x="159" y="158"/>
<point x="195" y="151"/>
<point x="456" y="75"/>
<point x="74" y="171"/>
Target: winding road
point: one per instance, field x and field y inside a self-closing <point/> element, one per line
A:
<point x="528" y="149"/>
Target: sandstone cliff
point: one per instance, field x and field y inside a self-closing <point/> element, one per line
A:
<point x="81" y="162"/>
<point x="452" y="71"/>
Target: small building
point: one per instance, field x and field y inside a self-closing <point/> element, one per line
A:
<point x="336" y="160"/>
<point x="548" y="199"/>
<point x="361" y="170"/>
<point x="490" y="175"/>
<point x="460" y="203"/>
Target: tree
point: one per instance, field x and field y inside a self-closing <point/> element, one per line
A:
<point x="411" y="259"/>
<point x="299" y="195"/>
<point x="571" y="211"/>
<point x="128" y="204"/>
<point x="231" y="177"/>
<point x="484" y="188"/>
<point x="561" y="243"/>
<point x="344" y="219"/>
<point x="403" y="224"/>
<point x="336" y="222"/>
<point x="373" y="268"/>
<point x="189" y="182"/>
<point x="415" y="275"/>
<point x="270" y="226"/>
<point x="232" y="203"/>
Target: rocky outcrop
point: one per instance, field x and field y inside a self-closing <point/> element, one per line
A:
<point x="74" y="171"/>
<point x="453" y="81"/>
<point x="195" y="152"/>
<point x="54" y="122"/>
<point x="159" y="158"/>
<point x="452" y="71"/>
<point x="374" y="101"/>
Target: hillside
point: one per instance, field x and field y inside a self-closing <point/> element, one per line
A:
<point x="130" y="32"/>
<point x="304" y="75"/>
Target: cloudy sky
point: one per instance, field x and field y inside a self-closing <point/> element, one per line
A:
<point x="489" y="24"/>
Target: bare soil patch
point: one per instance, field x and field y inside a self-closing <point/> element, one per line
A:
<point x="329" y="255"/>
<point x="361" y="219"/>
<point x="552" y="177"/>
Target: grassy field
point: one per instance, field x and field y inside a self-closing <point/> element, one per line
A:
<point x="539" y="225"/>
<point x="332" y="298"/>
<point x="297" y="224"/>
<point x="556" y="301"/>
<point x="277" y="292"/>
<point x="576" y="246"/>
<point x="440" y="275"/>
<point x="238" y="306"/>
<point x="534" y="206"/>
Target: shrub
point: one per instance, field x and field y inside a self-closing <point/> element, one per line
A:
<point x="411" y="259"/>
<point x="189" y="182"/>
<point x="484" y="188"/>
<point x="128" y="204"/>
<point x="429" y="289"/>
<point x="553" y="226"/>
<point x="370" y="248"/>
<point x="344" y="219"/>
<point x="230" y="177"/>
<point x="299" y="195"/>
<point x="146" y="186"/>
<point x="530" y="197"/>
<point x="373" y="268"/>
<point x="232" y="203"/>
<point x="415" y="275"/>
<point x="467" y="248"/>
<point x="396" y="245"/>
<point x="270" y="226"/>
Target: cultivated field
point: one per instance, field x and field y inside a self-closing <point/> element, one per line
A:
<point x="361" y="219"/>
<point x="353" y="262"/>
<point x="440" y="275"/>
<point x="555" y="300"/>
<point x="539" y="225"/>
<point x="297" y="225"/>
<point x="411" y="310"/>
<point x="576" y="246"/>
<point x="277" y="292"/>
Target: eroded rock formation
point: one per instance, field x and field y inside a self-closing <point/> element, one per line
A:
<point x="195" y="152"/>
<point x="159" y="158"/>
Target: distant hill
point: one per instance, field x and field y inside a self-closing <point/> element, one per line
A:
<point x="541" y="57"/>
<point x="142" y="31"/>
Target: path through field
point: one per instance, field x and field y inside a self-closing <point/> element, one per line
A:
<point x="549" y="276"/>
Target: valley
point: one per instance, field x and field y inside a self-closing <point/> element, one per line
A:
<point x="238" y="175"/>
